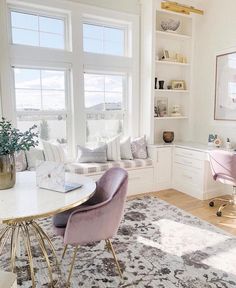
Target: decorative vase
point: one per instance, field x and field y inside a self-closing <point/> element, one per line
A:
<point x="161" y="84"/>
<point x="7" y="171"/>
<point x="168" y="136"/>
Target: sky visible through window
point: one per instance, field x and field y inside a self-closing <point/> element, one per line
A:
<point x="34" y="30"/>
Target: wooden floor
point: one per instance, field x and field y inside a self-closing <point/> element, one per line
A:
<point x="198" y="208"/>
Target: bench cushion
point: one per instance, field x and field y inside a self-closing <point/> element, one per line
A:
<point x="89" y="168"/>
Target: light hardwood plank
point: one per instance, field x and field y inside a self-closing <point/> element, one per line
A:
<point x="197" y="208"/>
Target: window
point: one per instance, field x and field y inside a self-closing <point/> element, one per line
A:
<point x="103" y="39"/>
<point x="40" y="96"/>
<point x="37" y="30"/>
<point x="105" y="105"/>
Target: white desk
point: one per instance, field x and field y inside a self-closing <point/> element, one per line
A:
<point x="21" y="205"/>
<point x="185" y="167"/>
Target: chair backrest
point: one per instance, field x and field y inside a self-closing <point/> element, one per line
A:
<point x="102" y="218"/>
<point x="108" y="185"/>
<point x="223" y="166"/>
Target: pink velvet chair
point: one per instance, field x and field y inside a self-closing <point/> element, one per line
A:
<point x="98" y="219"/>
<point x="223" y="166"/>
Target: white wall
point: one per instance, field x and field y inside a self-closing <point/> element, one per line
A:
<point x="130" y="6"/>
<point x="215" y="33"/>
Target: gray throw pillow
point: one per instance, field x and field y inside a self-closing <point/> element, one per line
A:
<point x="139" y="148"/>
<point x="125" y="149"/>
<point x="86" y="155"/>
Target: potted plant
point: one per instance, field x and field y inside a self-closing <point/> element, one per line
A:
<point x="13" y="140"/>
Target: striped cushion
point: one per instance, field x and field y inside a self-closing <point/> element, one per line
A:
<point x="54" y="152"/>
<point x="113" y="149"/>
<point x="90" y="168"/>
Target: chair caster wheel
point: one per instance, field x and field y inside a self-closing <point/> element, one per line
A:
<point x="219" y="213"/>
<point x="211" y="204"/>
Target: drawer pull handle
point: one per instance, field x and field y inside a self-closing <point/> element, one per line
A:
<point x="186" y="176"/>
<point x="188" y="162"/>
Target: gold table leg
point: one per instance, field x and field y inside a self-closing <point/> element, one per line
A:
<point x="25" y="231"/>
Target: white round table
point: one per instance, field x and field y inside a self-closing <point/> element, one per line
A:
<point x="25" y="202"/>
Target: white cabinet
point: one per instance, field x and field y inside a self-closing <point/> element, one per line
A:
<point x="189" y="172"/>
<point x="192" y="174"/>
<point x="162" y="160"/>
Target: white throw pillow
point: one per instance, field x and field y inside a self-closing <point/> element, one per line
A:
<point x="113" y="149"/>
<point x="125" y="149"/>
<point x="32" y="156"/>
<point x="54" y="152"/>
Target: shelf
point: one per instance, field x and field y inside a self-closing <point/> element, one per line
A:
<point x="169" y="12"/>
<point x="171" y="91"/>
<point x="173" y="35"/>
<point x="171" y="118"/>
<point x="172" y="63"/>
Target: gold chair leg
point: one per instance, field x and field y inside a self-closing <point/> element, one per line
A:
<point x="109" y="244"/>
<point x="64" y="251"/>
<point x="72" y="265"/>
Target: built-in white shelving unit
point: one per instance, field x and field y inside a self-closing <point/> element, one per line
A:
<point x="166" y="56"/>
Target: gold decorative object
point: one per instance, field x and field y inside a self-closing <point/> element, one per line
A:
<point x="26" y="230"/>
<point x="180" y="8"/>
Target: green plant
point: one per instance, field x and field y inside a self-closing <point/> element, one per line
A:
<point x="12" y="139"/>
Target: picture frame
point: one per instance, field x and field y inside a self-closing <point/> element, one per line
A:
<point x="166" y="54"/>
<point x="162" y="107"/>
<point x="178" y="85"/>
<point x="225" y="87"/>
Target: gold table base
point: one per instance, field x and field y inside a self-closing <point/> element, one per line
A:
<point x="18" y="230"/>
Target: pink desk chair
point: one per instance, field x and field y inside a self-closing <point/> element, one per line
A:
<point x="98" y="219"/>
<point x="223" y="167"/>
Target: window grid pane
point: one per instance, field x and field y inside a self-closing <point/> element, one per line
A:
<point x="104" y="40"/>
<point x="36" y="30"/>
<point x="40" y="99"/>
<point x="104" y="106"/>
<point x="50" y="84"/>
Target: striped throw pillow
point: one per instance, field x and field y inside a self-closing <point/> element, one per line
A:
<point x="54" y="152"/>
<point x="113" y="149"/>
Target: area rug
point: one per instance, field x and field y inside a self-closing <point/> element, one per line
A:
<point x="158" y="245"/>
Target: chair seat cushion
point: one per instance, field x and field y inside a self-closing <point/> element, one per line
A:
<point x="89" y="168"/>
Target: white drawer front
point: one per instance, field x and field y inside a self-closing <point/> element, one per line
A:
<point x="191" y="162"/>
<point x="188" y="176"/>
<point x="140" y="181"/>
<point x="189" y="153"/>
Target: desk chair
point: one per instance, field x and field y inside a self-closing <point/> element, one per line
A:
<point x="223" y="167"/>
<point x="98" y="219"/>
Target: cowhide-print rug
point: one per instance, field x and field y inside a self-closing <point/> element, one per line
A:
<point x="158" y="245"/>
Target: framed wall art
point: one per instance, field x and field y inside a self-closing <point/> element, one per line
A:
<point x="225" y="87"/>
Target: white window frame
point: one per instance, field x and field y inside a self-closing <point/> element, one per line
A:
<point x="109" y="24"/>
<point x="44" y="13"/>
<point x="74" y="59"/>
<point x="66" y="112"/>
<point x="125" y="92"/>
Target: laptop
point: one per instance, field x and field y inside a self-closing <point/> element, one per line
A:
<point x="52" y="176"/>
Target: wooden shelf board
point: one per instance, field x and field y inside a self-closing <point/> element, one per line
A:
<point x="173" y="63"/>
<point x="171" y="118"/>
<point x="174" y="35"/>
<point x="171" y="91"/>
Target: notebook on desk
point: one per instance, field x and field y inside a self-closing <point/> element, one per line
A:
<point x="52" y="176"/>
